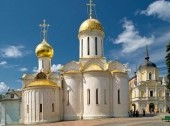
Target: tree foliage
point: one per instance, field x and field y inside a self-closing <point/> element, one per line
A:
<point x="168" y="63"/>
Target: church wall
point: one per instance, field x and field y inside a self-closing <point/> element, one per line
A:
<point x="72" y="99"/>
<point x="93" y="81"/>
<point x="121" y="102"/>
<point x="33" y="99"/>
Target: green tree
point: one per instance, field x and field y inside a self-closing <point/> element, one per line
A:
<point x="168" y="63"/>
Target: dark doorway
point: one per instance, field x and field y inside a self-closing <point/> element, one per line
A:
<point x="134" y="107"/>
<point x="151" y="107"/>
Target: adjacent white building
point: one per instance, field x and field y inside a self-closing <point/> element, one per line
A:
<point x="148" y="90"/>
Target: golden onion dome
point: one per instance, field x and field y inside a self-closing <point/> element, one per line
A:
<point x="42" y="83"/>
<point x="91" y="24"/>
<point x="44" y="50"/>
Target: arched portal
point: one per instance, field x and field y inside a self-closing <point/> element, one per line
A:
<point x="151" y="107"/>
<point x="133" y="107"/>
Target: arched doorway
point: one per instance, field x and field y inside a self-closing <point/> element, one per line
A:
<point x="133" y="107"/>
<point x="151" y="107"/>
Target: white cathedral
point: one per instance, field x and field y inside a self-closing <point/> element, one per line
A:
<point x="86" y="89"/>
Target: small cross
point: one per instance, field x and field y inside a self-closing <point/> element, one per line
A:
<point x="91" y="5"/>
<point x="44" y="28"/>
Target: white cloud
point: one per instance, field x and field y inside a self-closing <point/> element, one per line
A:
<point x="160" y="9"/>
<point x="56" y="68"/>
<point x="156" y="52"/>
<point x="24" y="69"/>
<point x="130" y="38"/>
<point x="12" y="52"/>
<point x="35" y="69"/>
<point x="3" y="63"/>
<point x="3" y="88"/>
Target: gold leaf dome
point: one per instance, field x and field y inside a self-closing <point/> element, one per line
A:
<point x="44" y="50"/>
<point x="42" y="83"/>
<point x="91" y="24"/>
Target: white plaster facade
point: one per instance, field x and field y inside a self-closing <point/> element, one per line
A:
<point x="10" y="105"/>
<point x="148" y="91"/>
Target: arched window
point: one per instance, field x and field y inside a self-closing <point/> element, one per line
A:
<point x="142" y="93"/>
<point x="82" y="47"/>
<point x="88" y="46"/>
<point x="96" y="45"/>
<point x="12" y="95"/>
<point x="88" y="96"/>
<point x="151" y="93"/>
<point x="150" y="76"/>
<point x="97" y="96"/>
<point x="40" y="107"/>
<point x="118" y="96"/>
<point x="68" y="97"/>
<point x="52" y="107"/>
<point x="105" y="102"/>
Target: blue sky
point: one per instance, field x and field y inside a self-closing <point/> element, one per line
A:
<point x="129" y="25"/>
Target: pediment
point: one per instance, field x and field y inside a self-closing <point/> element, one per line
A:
<point x="115" y="66"/>
<point x="72" y="66"/>
<point x="94" y="65"/>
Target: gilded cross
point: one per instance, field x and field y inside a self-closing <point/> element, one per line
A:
<point x="91" y="5"/>
<point x="44" y="28"/>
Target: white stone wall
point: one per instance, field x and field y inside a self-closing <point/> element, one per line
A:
<point x="72" y="105"/>
<point x="120" y="82"/>
<point x="44" y="64"/>
<point x="10" y="112"/>
<point x="32" y="99"/>
<point x="93" y="81"/>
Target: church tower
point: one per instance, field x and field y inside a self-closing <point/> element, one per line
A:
<point x="44" y="52"/>
<point x="148" y="70"/>
<point x="91" y="35"/>
<point x="41" y="91"/>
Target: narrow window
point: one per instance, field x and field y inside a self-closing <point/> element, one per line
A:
<point x="105" y="96"/>
<point x="96" y="45"/>
<point x="62" y="83"/>
<point x="97" y="97"/>
<point x="88" y="96"/>
<point x="142" y="93"/>
<point x="82" y="48"/>
<point x="27" y="108"/>
<point x="151" y="93"/>
<point x="119" y="96"/>
<point x="150" y="76"/>
<point x="88" y="46"/>
<point x="68" y="97"/>
<point x="102" y="46"/>
<point x="40" y="107"/>
<point x="12" y="95"/>
<point x="52" y="107"/>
